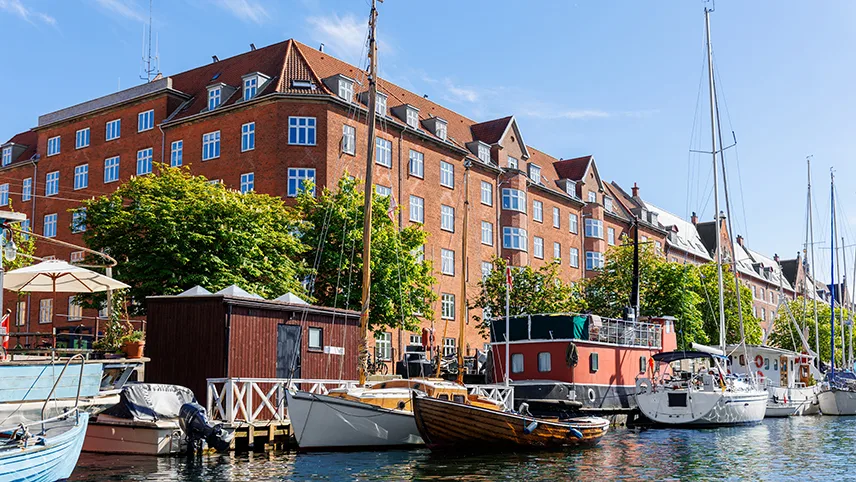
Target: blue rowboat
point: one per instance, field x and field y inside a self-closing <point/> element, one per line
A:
<point x="47" y="456"/>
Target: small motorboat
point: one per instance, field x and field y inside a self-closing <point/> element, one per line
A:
<point x="446" y="425"/>
<point x="43" y="450"/>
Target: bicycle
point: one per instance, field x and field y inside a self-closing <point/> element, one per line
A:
<point x="376" y="367"/>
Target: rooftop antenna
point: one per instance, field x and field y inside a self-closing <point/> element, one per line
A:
<point x="150" y="64"/>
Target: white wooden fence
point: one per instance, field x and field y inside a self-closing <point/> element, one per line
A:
<point x="248" y="400"/>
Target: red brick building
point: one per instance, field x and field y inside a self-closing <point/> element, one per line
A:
<point x="269" y="118"/>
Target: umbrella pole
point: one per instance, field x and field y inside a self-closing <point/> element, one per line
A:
<point x="53" y="316"/>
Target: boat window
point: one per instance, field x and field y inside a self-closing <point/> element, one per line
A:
<point x="641" y="364"/>
<point x="517" y="363"/>
<point x="593" y="365"/>
<point x="730" y="360"/>
<point x="677" y="399"/>
<point x="775" y="364"/>
<point x="544" y="364"/>
<point x="444" y="397"/>
<point x="766" y="363"/>
<point x="792" y="365"/>
<point x="742" y="360"/>
<point x="458" y="398"/>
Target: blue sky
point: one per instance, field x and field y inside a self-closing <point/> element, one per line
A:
<point x="619" y="80"/>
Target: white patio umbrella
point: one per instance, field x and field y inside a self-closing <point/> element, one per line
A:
<point x="58" y="277"/>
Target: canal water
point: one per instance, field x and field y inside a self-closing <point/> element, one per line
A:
<point x="799" y="448"/>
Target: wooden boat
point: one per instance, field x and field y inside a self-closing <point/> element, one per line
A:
<point x="48" y="456"/>
<point x="447" y="424"/>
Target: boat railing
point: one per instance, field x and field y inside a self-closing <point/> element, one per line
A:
<point x="254" y="399"/>
<point x="498" y="393"/>
<point x="623" y="332"/>
<point x="56" y="383"/>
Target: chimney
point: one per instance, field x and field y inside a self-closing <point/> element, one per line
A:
<point x="252" y="46"/>
<point x="321" y="48"/>
<point x="694" y="219"/>
<point x="740" y="240"/>
<point x="635" y="190"/>
<point x="214" y="58"/>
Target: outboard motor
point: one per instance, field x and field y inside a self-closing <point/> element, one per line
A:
<point x="194" y="422"/>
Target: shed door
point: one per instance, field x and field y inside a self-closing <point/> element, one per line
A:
<point x="288" y="351"/>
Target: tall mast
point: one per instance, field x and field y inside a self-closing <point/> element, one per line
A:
<point x="463" y="318"/>
<point x="843" y="302"/>
<point x="369" y="190"/>
<point x="713" y="128"/>
<point x="813" y="282"/>
<point x="850" y="346"/>
<point x="832" y="278"/>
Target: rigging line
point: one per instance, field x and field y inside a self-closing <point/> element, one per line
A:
<point x="690" y="154"/>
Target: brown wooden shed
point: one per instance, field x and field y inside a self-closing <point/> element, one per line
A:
<point x="191" y="338"/>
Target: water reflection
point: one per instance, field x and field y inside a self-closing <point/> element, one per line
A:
<point x="784" y="449"/>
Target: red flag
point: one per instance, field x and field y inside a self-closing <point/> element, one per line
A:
<point x="508" y="276"/>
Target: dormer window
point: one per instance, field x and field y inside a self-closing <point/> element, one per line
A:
<point x="252" y="83"/>
<point x="607" y="203"/>
<point x="215" y="95"/>
<point x="412" y="117"/>
<point x="7" y="155"/>
<point x="570" y="187"/>
<point x="592" y="197"/>
<point x="484" y="153"/>
<point x="441" y="129"/>
<point x="346" y="89"/>
<point x="380" y="104"/>
<point x="512" y="162"/>
<point x="535" y="173"/>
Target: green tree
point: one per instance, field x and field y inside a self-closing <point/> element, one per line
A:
<point x="532" y="291"/>
<point x="332" y="227"/>
<point x="785" y="335"/>
<point x="171" y="230"/>
<point x="665" y="289"/>
<point x="708" y="291"/>
<point x="26" y="245"/>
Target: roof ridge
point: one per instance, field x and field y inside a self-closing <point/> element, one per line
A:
<point x="279" y="84"/>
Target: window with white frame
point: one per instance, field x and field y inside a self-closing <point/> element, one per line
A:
<point x="484" y="153"/>
<point x="487" y="233"/>
<point x="384" y="191"/>
<point x="575" y="258"/>
<point x="447" y="218"/>
<point x="7" y="156"/>
<point x="383" y="152"/>
<point x="607" y="203"/>
<point x="214" y="96"/>
<point x="176" y="153"/>
<point x="447" y="306"/>
<point x="316" y="338"/>
<point x="4" y="194"/>
<point x="52" y="183"/>
<point x="419" y="253"/>
<point x="248" y="136"/>
<point x="45" y="310"/>
<point x="346" y="90"/>
<point x="415" y="340"/>
<point x="21" y="313"/>
<point x="535" y="173"/>
<point x="78" y="220"/>
<point x="556" y="220"/>
<point x="517" y="363"/>
<point x="417" y="209"/>
<point x="27" y="189"/>
<point x="77" y="257"/>
<point x="383" y="346"/>
<point x="380" y="104"/>
<point x="763" y="314"/>
<point x="447" y="174"/>
<point x="111" y="169"/>
<point x="81" y="176"/>
<point x="544" y="362"/>
<point x="416" y="164"/>
<point x="557" y="250"/>
<point x="573" y="223"/>
<point x="538" y="247"/>
<point x="25" y="228"/>
<point x="54" y="145"/>
<point x="448" y="346"/>
<point x="594" y="260"/>
<point x="486" y="268"/>
<point x="447" y="261"/>
<point x="146" y="120"/>
<point x="514" y="200"/>
<point x="113" y="130"/>
<point x="251" y="87"/>
<point x="210" y="145"/>
<point x="486" y="193"/>
<point x="537" y="211"/>
<point x="610" y="236"/>
<point x="248" y="182"/>
<point x="75" y="311"/>
<point x="301" y="131"/>
<point x="144" y="161"/>
<point x="412" y="117"/>
<point x="592" y="197"/>
<point x="594" y="228"/>
<point x="440" y="129"/>
<point x="81" y="138"/>
<point x="297" y="177"/>
<point x="512" y="162"/>
<point x="514" y="238"/>
<point x="349" y="139"/>
<point x="50" y="226"/>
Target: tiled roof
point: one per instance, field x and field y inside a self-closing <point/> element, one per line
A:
<point x="27" y="138"/>
<point x="573" y="169"/>
<point x="685" y="237"/>
<point x="491" y="132"/>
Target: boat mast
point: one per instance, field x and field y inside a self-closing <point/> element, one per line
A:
<point x="813" y="282"/>
<point x="850" y="347"/>
<point x="713" y="128"/>
<point x="843" y="302"/>
<point x="464" y="317"/>
<point x="369" y="190"/>
<point x="832" y="279"/>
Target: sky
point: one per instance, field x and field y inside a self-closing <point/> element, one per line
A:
<point x="621" y="80"/>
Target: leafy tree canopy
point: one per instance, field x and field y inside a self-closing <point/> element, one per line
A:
<point x="171" y="231"/>
<point x="785" y="333"/>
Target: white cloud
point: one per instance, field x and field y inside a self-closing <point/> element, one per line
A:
<point x="247" y="10"/>
<point x="547" y="112"/>
<point x="453" y="92"/>
<point x="344" y="36"/>
<point x="124" y="8"/>
<point x="15" y="7"/>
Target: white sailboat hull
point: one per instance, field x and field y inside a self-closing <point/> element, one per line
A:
<point x="704" y="408"/>
<point x="324" y="422"/>
<point x="835" y="401"/>
<point x="786" y="402"/>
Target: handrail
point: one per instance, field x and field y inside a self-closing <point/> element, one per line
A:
<point x="56" y="383"/>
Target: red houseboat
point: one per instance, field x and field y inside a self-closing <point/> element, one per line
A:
<point x="559" y="362"/>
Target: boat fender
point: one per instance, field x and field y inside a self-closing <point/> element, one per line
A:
<point x="759" y="361"/>
<point x="530" y="428"/>
<point x="401" y="404"/>
<point x="576" y="433"/>
<point x="571" y="355"/>
<point x="643" y="385"/>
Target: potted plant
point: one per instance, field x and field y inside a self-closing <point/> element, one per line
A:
<point x="133" y="343"/>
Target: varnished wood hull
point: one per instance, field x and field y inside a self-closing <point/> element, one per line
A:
<point x="450" y="425"/>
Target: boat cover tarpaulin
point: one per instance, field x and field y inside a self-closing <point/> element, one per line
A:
<point x="540" y="327"/>
<point x="151" y="401"/>
<point x="670" y="356"/>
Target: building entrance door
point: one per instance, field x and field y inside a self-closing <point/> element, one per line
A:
<point x="288" y="338"/>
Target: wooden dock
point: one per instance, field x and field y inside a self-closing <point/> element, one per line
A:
<point x="261" y="436"/>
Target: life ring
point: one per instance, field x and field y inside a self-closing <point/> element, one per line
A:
<point x="759" y="361"/>
<point x="643" y="385"/>
<point x="591" y="395"/>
